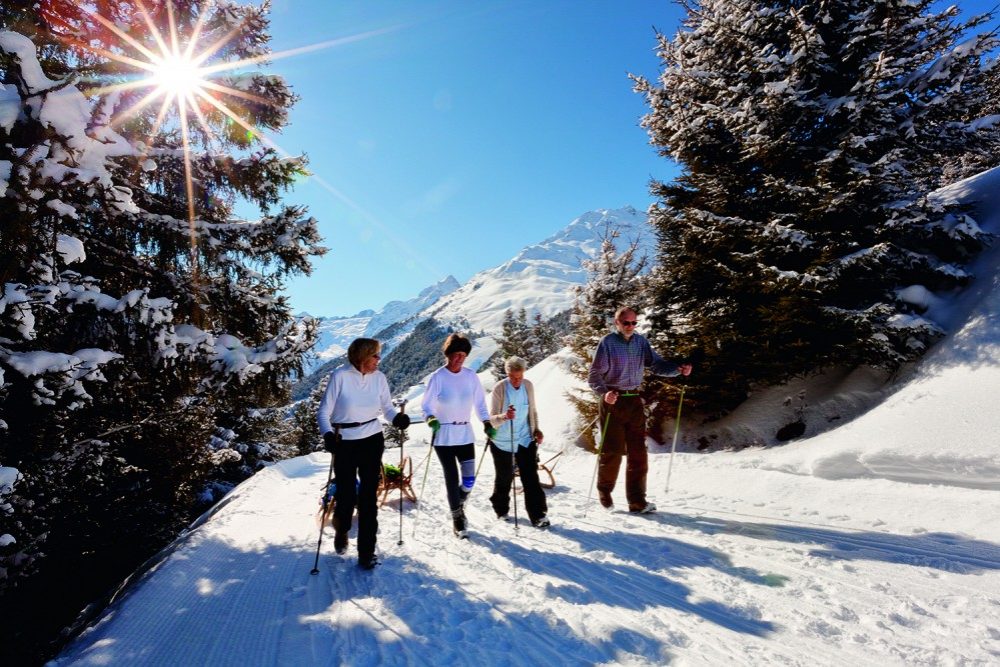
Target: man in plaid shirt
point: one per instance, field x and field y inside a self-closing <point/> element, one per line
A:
<point x="616" y="374"/>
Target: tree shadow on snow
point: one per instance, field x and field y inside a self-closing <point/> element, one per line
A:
<point x="230" y="605"/>
<point x="940" y="551"/>
<point x="423" y="618"/>
<point x="655" y="552"/>
<point x="625" y="586"/>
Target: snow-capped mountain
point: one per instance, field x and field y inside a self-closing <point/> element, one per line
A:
<point x="541" y="277"/>
<point x="336" y="333"/>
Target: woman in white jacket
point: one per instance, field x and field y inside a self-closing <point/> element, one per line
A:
<point x="348" y="419"/>
<point x="452" y="394"/>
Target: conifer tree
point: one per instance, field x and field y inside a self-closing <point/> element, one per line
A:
<point x="810" y="134"/>
<point x="984" y="118"/>
<point x="614" y="279"/>
<point x="513" y="340"/>
<point x="138" y="314"/>
<point x="542" y="341"/>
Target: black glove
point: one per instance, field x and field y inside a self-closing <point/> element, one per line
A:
<point x="491" y="432"/>
<point x="402" y="420"/>
<point x="330" y="440"/>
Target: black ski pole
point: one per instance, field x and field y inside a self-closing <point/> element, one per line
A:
<point x="513" y="471"/>
<point x="402" y="441"/>
<point x="326" y="490"/>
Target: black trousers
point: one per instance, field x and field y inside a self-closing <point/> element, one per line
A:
<point x="527" y="465"/>
<point x="452" y="457"/>
<point x="359" y="459"/>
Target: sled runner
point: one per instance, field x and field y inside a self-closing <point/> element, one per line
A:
<point x="548" y="479"/>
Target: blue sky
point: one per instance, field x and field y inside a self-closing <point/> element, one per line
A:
<point x="450" y="134"/>
<point x="460" y="134"/>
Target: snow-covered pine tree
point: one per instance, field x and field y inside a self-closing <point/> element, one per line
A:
<point x="134" y="319"/>
<point x="810" y="134"/>
<point x="984" y="117"/>
<point x="513" y="340"/>
<point x="542" y="340"/>
<point x="614" y="279"/>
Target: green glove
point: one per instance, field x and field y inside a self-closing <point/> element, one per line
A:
<point x="491" y="432"/>
<point x="433" y="422"/>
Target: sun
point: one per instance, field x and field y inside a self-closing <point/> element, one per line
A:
<point x="177" y="75"/>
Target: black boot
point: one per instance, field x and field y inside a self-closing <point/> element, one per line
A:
<point x="339" y="538"/>
<point x="368" y="562"/>
<point x="340" y="542"/>
<point x="458" y="522"/>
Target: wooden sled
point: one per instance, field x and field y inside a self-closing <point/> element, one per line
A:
<point x="387" y="485"/>
<point x="546" y="474"/>
<point x="326" y="504"/>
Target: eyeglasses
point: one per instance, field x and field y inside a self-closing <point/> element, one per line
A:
<point x="628" y="323"/>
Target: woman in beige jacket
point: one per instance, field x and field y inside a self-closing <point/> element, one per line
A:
<point x="512" y="411"/>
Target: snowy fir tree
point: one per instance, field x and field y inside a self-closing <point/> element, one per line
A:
<point x="543" y="340"/>
<point x="531" y="342"/>
<point x="984" y="116"/>
<point x="800" y="234"/>
<point x="614" y="279"/>
<point x="514" y="340"/>
<point x="138" y="315"/>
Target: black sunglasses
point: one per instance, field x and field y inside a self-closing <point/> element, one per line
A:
<point x="628" y="323"/>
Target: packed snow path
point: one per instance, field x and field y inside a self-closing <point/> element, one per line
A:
<point x="710" y="579"/>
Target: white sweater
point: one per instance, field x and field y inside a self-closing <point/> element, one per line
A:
<point x="353" y="397"/>
<point x="451" y="397"/>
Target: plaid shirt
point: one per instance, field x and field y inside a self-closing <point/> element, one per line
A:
<point x="620" y="364"/>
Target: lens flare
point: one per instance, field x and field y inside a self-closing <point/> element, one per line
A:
<point x="176" y="71"/>
<point x="177" y="75"/>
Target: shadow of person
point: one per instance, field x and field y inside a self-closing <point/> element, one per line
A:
<point x="656" y="552"/>
<point x="940" y="551"/>
<point x="624" y="586"/>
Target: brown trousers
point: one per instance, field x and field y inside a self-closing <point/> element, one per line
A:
<point x="625" y="435"/>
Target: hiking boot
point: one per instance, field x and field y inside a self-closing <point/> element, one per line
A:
<point x="541" y="522"/>
<point x="503" y="517"/>
<point x="605" y="498"/>
<point x="458" y="522"/>
<point x="340" y="542"/>
<point x="642" y="508"/>
<point x="368" y="562"/>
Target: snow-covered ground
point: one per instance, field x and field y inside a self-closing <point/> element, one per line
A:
<point x="877" y="543"/>
<point x="842" y="549"/>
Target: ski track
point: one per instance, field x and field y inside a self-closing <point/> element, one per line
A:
<point x="692" y="585"/>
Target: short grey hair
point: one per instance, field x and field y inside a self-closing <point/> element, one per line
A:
<point x="514" y="364"/>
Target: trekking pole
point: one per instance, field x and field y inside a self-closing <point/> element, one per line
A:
<point x="483" y="458"/>
<point x="585" y="429"/>
<point x="673" y="447"/>
<point x="600" y="448"/>
<point x="513" y="471"/>
<point x="326" y="490"/>
<point x="402" y="441"/>
<point x="423" y="484"/>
